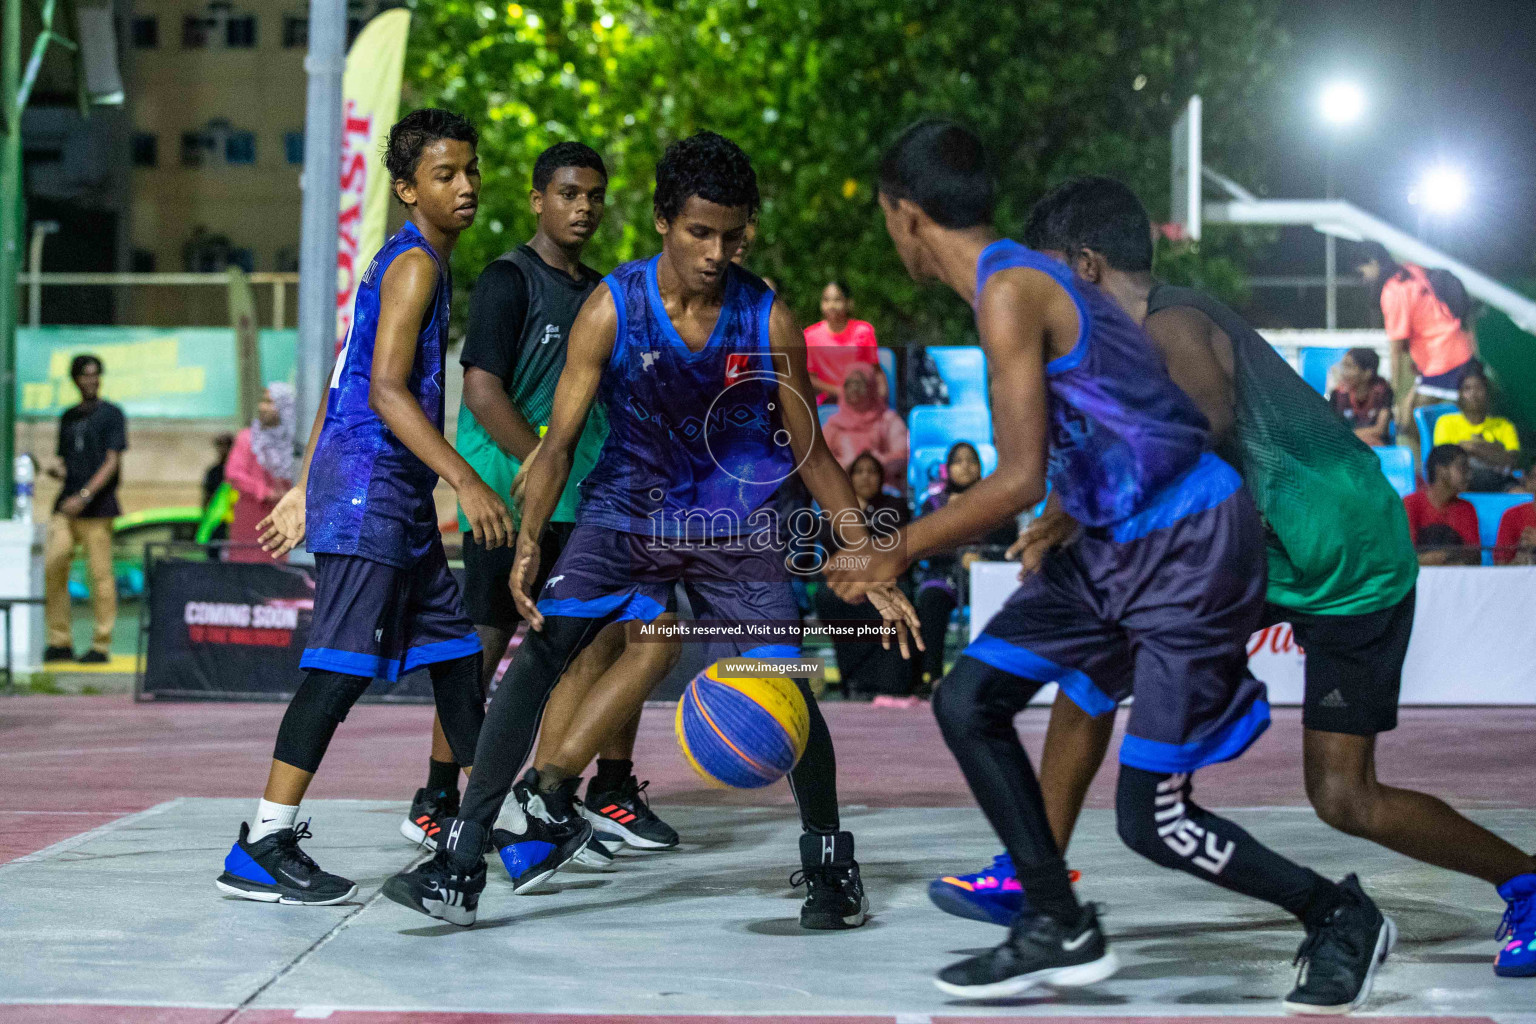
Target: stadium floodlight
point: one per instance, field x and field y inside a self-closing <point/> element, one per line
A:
<point x="1341" y="102"/>
<point x="1441" y="190"/>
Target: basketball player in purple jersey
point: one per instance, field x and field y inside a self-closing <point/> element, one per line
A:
<point x="704" y="378"/>
<point x="1159" y="596"/>
<point x="385" y="602"/>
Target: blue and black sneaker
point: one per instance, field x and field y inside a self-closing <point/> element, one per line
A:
<point x="540" y="848"/>
<point x="274" y="870"/>
<point x="992" y="896"/>
<point x="1517" y="958"/>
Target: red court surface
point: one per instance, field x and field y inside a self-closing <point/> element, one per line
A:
<point x="70" y="764"/>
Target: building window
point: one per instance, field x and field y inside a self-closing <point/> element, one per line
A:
<point x="293" y="146"/>
<point x="141" y="261"/>
<point x="197" y="148"/>
<point x="145" y="32"/>
<point x="295" y="32"/>
<point x="286" y="261"/>
<point x="240" y="148"/>
<point x="240" y="31"/>
<point x="242" y="258"/>
<point x="146" y="150"/>
<point x="195" y="32"/>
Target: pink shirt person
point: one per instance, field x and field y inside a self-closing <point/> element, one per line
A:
<point x="261" y="467"/>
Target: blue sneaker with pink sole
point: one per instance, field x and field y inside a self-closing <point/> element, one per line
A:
<point x="1517" y="958"/>
<point x="993" y="896"/>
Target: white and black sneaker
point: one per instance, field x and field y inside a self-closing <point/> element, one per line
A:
<point x="834" y="897"/>
<point x="626" y="812"/>
<point x="1338" y="959"/>
<point x="274" y="870"/>
<point x="1040" y="950"/>
<point x="594" y="855"/>
<point x="429" y="809"/>
<point x="446" y="887"/>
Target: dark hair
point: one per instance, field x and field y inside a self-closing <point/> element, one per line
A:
<point x="866" y="454"/>
<point x="565" y="154"/>
<point x="1365" y="358"/>
<point x="415" y="132"/>
<point x="841" y="286"/>
<point x="78" y="364"/>
<point x="1442" y="456"/>
<point x="942" y="168"/>
<point x="1372" y="250"/>
<point x="706" y="165"/>
<point x="1438" y="535"/>
<point x="955" y="448"/>
<point x="1095" y="213"/>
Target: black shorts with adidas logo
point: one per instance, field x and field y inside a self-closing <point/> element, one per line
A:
<point x="1354" y="672"/>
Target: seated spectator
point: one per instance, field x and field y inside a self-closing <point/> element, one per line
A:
<point x="1516" y="543"/>
<point x="865" y="423"/>
<point x="1438" y="505"/>
<point x="1490" y="441"/>
<point x="942" y="578"/>
<point x="1364" y="399"/>
<point x="866" y="668"/>
<point x="836" y="343"/>
<point x="261" y="466"/>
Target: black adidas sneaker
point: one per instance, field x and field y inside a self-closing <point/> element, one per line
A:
<point x="448" y="886"/>
<point x="625" y="812"/>
<point x="1040" y="950"/>
<point x="834" y="897"/>
<point x="429" y="809"/>
<point x="274" y="870"/>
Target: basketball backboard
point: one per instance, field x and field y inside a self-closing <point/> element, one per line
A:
<point x="1185" y="207"/>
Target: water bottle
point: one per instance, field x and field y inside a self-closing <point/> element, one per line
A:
<point x="26" y="473"/>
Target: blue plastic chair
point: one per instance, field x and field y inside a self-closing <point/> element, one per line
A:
<point x="1490" y="510"/>
<point x="964" y="369"/>
<point x="1426" y="417"/>
<point x="826" y="412"/>
<point x="1397" y="464"/>
<point x="887" y="360"/>
<point x="926" y="465"/>
<point x="939" y="426"/>
<point x="1315" y="364"/>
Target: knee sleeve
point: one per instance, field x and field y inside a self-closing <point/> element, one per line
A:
<point x="976" y="699"/>
<point x="460" y="706"/>
<point x="321" y="703"/>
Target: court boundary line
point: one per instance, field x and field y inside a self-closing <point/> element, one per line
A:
<point x="81" y="838"/>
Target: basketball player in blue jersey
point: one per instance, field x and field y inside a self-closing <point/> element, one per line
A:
<point x="385" y="602"/>
<point x="1158" y="596"/>
<point x="703" y="375"/>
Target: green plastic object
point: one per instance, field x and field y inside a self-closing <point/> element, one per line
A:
<point x="220" y="510"/>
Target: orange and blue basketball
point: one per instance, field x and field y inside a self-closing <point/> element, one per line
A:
<point x="742" y="733"/>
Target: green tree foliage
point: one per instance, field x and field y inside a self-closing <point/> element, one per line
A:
<point x="813" y="90"/>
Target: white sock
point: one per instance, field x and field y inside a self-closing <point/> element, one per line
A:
<point x="271" y="818"/>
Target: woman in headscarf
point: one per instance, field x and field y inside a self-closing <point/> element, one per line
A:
<point x="261" y="467"/>
<point x="864" y="422"/>
<point x="941" y="578"/>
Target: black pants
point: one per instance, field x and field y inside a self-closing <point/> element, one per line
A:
<point x="935" y="603"/>
<point x="866" y="668"/>
<point x="512" y="724"/>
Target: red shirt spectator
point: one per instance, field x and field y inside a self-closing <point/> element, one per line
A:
<point x="1457" y="513"/>
<point x="1517" y="536"/>
<point x="836" y="343"/>
<point x="1439" y="504"/>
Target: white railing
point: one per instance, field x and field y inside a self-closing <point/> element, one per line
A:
<point x="276" y="280"/>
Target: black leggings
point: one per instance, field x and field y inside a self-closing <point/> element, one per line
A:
<point x="976" y="705"/>
<point x="512" y="724"/>
<point x="934" y="606"/>
<point x="324" y="698"/>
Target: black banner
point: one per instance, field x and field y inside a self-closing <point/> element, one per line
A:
<point x="235" y="631"/>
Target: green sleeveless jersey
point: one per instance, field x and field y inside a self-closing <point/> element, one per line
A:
<point x="1338" y="534"/>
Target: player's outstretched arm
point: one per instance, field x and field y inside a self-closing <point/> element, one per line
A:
<point x="829" y="485"/>
<point x="1019" y="312"/>
<point x="404" y="300"/>
<point x="546" y="472"/>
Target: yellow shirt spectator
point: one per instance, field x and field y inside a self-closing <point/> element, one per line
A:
<point x="1454" y="428"/>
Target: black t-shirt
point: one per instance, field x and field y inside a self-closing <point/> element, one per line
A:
<point x="85" y="437"/>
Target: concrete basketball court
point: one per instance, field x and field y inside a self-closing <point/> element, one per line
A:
<point x="111" y="914"/>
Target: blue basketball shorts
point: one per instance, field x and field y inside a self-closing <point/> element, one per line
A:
<point x="617" y="576"/>
<point x="377" y="621"/>
<point x="1166" y="617"/>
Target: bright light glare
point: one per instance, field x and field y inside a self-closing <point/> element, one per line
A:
<point x="1441" y="190"/>
<point x="1341" y="102"/>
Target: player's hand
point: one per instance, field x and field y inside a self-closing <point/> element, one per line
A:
<point x="525" y="569"/>
<point x="897" y="611"/>
<point x="488" y="517"/>
<point x="520" y="482"/>
<point x="1039" y="538"/>
<point x="853" y="572"/>
<point x="283" y="528"/>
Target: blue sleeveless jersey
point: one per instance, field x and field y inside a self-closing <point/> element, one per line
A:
<point x="696" y="443"/>
<point x="1128" y="447"/>
<point x="368" y="494"/>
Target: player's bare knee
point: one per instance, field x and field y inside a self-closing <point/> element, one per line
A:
<point x="1342" y="803"/>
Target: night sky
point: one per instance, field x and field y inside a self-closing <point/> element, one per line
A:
<point x="1446" y="80"/>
